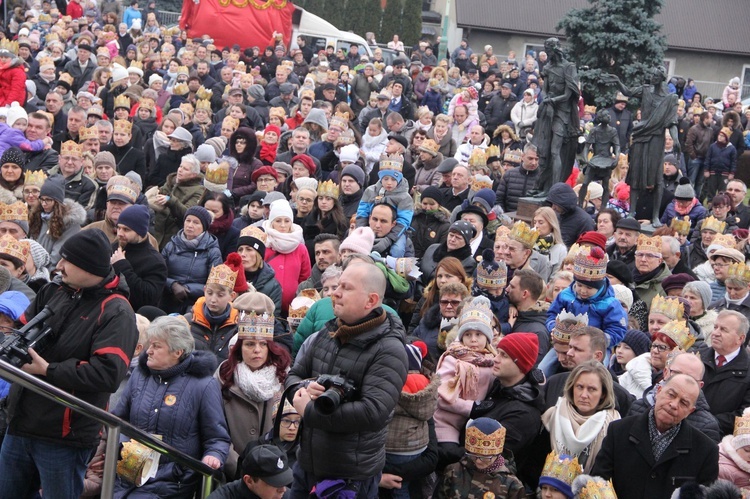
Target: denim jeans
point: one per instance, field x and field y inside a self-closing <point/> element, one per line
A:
<point x="695" y="173"/>
<point x="28" y="464"/>
<point x="304" y="483"/>
<point x="395" y="460"/>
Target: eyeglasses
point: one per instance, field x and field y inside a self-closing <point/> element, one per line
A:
<point x="304" y="200"/>
<point x="265" y="180"/>
<point x="288" y="423"/>
<point x="450" y="303"/>
<point x="484" y="459"/>
<point x="646" y="255"/>
<point x="46" y="200"/>
<point x="719" y="265"/>
<point x="660" y="348"/>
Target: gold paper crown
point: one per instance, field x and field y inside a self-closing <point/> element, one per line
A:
<point x="328" y="188"/>
<point x="36" y="178"/>
<point x="394" y="162"/>
<point x="478" y="157"/>
<point x="589" y="109"/>
<point x="187" y="108"/>
<point x="307" y="94"/>
<point x="563" y="468"/>
<point x="146" y="103"/>
<point x="232" y="122"/>
<point x="493" y="151"/>
<point x="742" y="424"/>
<point x="278" y="112"/>
<point x="597" y="489"/>
<point x="66" y="77"/>
<point x="485" y="445"/>
<point x="725" y="240"/>
<point x="668" y="306"/>
<point x="203" y="104"/>
<point x="649" y="244"/>
<point x="85" y="134"/>
<point x="588" y="267"/>
<point x="180" y="89"/>
<point x="255" y="233"/>
<point x="15" y="211"/>
<point x="223" y="275"/>
<point x="678" y="332"/>
<point x="16" y="249"/>
<point x="6" y="44"/>
<point x="123" y="190"/>
<point x="681" y="225"/>
<point x="296" y="314"/>
<point x="524" y="234"/>
<point x="480" y="182"/>
<point x="204" y="93"/>
<point x="252" y="325"/>
<point x="102" y="51"/>
<point x="567" y="323"/>
<point x="739" y="272"/>
<point x="573" y="251"/>
<point x="711" y="223"/>
<point x="492" y="279"/>
<point x="122" y="101"/>
<point x="218" y="173"/>
<point x="341" y="120"/>
<point x="136" y="65"/>
<point x="70" y="148"/>
<point x="46" y="61"/>
<point x="183" y="70"/>
<point x="123" y="126"/>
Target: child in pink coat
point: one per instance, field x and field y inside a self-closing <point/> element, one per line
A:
<point x="734" y="455"/>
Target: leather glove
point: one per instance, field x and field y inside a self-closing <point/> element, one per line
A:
<point x="381" y="244"/>
<point x="179" y="291"/>
<point x="481" y="407"/>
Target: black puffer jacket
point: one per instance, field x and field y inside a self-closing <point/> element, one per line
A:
<point x="355" y="432"/>
<point x="515" y="184"/>
<point x="429" y="229"/>
<point x="573" y="220"/>
<point x="701" y="418"/>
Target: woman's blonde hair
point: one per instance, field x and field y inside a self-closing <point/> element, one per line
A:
<point x="607" y="401"/>
<point x="549" y="215"/>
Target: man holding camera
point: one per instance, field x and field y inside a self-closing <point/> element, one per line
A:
<point x="93" y="337"/>
<point x="360" y="359"/>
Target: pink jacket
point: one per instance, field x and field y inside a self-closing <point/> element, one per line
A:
<point x="732" y="467"/>
<point x="291" y="269"/>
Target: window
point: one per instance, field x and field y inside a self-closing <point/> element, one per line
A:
<point x="745" y="92"/>
<point x="670" y="65"/>
<point x="526" y="48"/>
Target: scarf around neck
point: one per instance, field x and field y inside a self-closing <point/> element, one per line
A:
<point x="283" y="242"/>
<point x="259" y="386"/>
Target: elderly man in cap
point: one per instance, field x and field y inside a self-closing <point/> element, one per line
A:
<point x="399" y="72"/>
<point x="622" y="120"/>
<point x="626" y="240"/>
<point x="45" y="447"/>
<point x="286" y="99"/>
<point x="78" y="187"/>
<point x="397" y="144"/>
<point x="265" y="475"/>
<point x="518" y="180"/>
<point x="82" y="68"/>
<point x="363" y="84"/>
<point x="730" y="284"/>
<point x="380" y="111"/>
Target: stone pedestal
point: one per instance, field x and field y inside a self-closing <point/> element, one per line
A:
<point x="527" y="207"/>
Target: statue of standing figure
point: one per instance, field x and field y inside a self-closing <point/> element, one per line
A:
<point x="557" y="128"/>
<point x="658" y="113"/>
<point x="604" y="142"/>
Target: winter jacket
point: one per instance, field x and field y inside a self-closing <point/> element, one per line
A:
<point x="534" y="321"/>
<point x="361" y="90"/>
<point x="574" y="221"/>
<point x="265" y="282"/>
<point x="169" y="218"/>
<point x="498" y="111"/>
<point x="721" y="159"/>
<point x="701" y="418"/>
<point x="398" y="197"/>
<point x="81" y="76"/>
<point x="190" y="267"/>
<point x="648" y="289"/>
<point x="727" y="388"/>
<point x="376" y="363"/>
<point x="462" y="479"/>
<point x="13" y="83"/>
<point x="350" y="202"/>
<point x="416" y="471"/>
<point x="433" y="99"/>
<point x="408" y="431"/>
<point x="604" y="311"/>
<point x="194" y="425"/>
<point x="447" y="146"/>
<point x="732" y="466"/>
<point x="214" y="338"/>
<point x="291" y="269"/>
<point x="247" y="164"/>
<point x="514" y="185"/>
<point x="145" y="272"/>
<point x="427" y="174"/>
<point x="463" y="153"/>
<point x="73" y="217"/>
<point x="698" y="141"/>
<point x="523" y="115"/>
<point x="42" y="160"/>
<point x="78" y="187"/>
<point x="437" y="252"/>
<point x="128" y="159"/>
<point x="429" y="228"/>
<point x="167" y="164"/>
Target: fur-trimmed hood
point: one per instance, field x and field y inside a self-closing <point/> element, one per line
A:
<point x="441" y="214"/>
<point x="251" y="145"/>
<point x="726" y="449"/>
<point x="438" y="70"/>
<point x="431" y="163"/>
<point x="75" y="214"/>
<point x="199" y="364"/>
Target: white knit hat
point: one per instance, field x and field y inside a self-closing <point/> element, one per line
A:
<point x="280" y="208"/>
<point x="596" y="191"/>
<point x="154" y="78"/>
<point x="349" y="153"/>
<point x="623" y="295"/>
<point x="15" y="113"/>
<point x="119" y="72"/>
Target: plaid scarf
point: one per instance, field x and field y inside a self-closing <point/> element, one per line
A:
<point x="660" y="441"/>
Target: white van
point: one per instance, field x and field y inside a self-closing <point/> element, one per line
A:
<point x="319" y="33"/>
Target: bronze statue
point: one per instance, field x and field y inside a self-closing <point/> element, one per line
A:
<point x="556" y="130"/>
<point x="604" y="141"/>
<point x="658" y="112"/>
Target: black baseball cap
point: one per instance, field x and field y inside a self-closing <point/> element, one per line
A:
<point x="268" y="463"/>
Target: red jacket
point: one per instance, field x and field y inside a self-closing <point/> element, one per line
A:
<point x="291" y="269"/>
<point x="75" y="10"/>
<point x="13" y="84"/>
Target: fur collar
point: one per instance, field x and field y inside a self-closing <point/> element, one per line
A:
<point x="75" y="214"/>
<point x="726" y="448"/>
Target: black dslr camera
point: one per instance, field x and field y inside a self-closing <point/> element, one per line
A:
<point x="14" y="348"/>
<point x="338" y="389"/>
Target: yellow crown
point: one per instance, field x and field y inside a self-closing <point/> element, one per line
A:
<point x="218" y="173"/>
<point x="187" y="108"/>
<point x="328" y="188"/>
<point x="649" y="244"/>
<point x="14" y="248"/>
<point x="6" y="44"/>
<point x="203" y="104"/>
<point x="241" y="67"/>
<point x="136" y="64"/>
<point x="681" y="225"/>
<point x="223" y="275"/>
<point x="340" y="120"/>
<point x="478" y="157"/>
<point x="278" y="112"/>
<point x="146" y="103"/>
<point x="123" y="126"/>
<point x="563" y="468"/>
<point x="307" y="94"/>
<point x="204" y="93"/>
<point x="678" y="332"/>
<point x="180" y="89"/>
<point x="103" y="51"/>
<point x="66" y="77"/>
<point x="122" y="101"/>
<point x="742" y="424"/>
<point x="85" y="134"/>
<point x="668" y="306"/>
<point x="566" y="323"/>
<point x="524" y="234"/>
<point x="725" y="240"/>
<point x="711" y="223"/>
<point x="254" y="326"/>
<point x="493" y="152"/>
<point x="588" y="267"/>
<point x="299" y="307"/>
<point x="394" y="162"/>
<point x="15" y="211"/>
<point x="70" y="148"/>
<point x="233" y="123"/>
<point x="739" y="272"/>
<point x="183" y="70"/>
<point x="46" y="61"/>
<point x="573" y="251"/>
<point x="597" y="489"/>
<point x="480" y="182"/>
<point x="255" y="233"/>
<point x="36" y="178"/>
<point x="485" y="445"/>
<point x="589" y="109"/>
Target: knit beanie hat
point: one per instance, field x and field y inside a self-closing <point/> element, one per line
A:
<point x="590" y="267"/>
<point x="684" y="190"/>
<point x="593" y="237"/>
<point x="414" y="356"/>
<point x="349" y="153"/>
<point x="638" y="341"/>
<point x="620" y="270"/>
<point x="255" y="238"/>
<point x="201" y="214"/>
<point x="676" y="281"/>
<point x="670" y="158"/>
<point x="234" y="262"/>
<point x="13" y="304"/>
<point x="15" y="113"/>
<point x="280" y="208"/>
<point x="476" y="316"/>
<point x="39" y="255"/>
<point x="464" y="228"/>
<point x="595" y="191"/>
<point x="53" y="188"/>
<point x="105" y="158"/>
<point x="522" y="348"/>
<point x="624" y="295"/>
<point x="89" y="250"/>
<point x="355" y="172"/>
<point x="256" y="91"/>
<point x="136" y="217"/>
<point x="434" y="193"/>
<point x="701" y="289"/>
<point x="360" y="241"/>
<point x="205" y="153"/>
<point x="486" y="198"/>
<point x="13" y="155"/>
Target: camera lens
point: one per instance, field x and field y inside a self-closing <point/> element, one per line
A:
<point x="328" y="401"/>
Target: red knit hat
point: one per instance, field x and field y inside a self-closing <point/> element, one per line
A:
<point x="234" y="262"/>
<point x="522" y="348"/>
<point x="593" y="237"/>
<point x="264" y="170"/>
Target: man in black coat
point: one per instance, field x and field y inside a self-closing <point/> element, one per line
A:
<point x="519" y="180"/>
<point x="622" y="120"/>
<point x="498" y="110"/>
<point x="653" y="454"/>
<point x="574" y="221"/>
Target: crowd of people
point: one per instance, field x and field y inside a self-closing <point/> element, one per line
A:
<point x="306" y="270"/>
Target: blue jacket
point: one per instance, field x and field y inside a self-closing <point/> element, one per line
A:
<point x="398" y="197"/>
<point x="188" y="266"/>
<point x="130" y="15"/>
<point x="697" y="214"/>
<point x="183" y="405"/>
<point x="722" y="160"/>
<point x="604" y="310"/>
